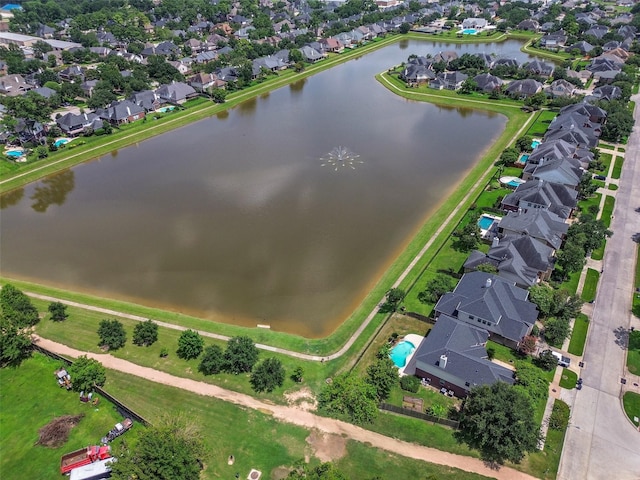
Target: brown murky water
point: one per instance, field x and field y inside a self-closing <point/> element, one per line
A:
<point x="255" y="216"/>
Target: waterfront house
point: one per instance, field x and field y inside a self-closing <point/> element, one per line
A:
<point x="540" y="224"/>
<point x="541" y="195"/>
<point x="73" y="125"/>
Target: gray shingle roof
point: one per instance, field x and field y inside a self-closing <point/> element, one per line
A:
<point x="540" y="224"/>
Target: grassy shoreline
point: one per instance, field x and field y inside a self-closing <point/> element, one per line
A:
<point x="323" y="346"/>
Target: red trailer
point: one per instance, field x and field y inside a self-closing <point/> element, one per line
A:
<point x="84" y="456"/>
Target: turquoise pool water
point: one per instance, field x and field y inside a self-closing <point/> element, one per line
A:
<point x="523" y="159"/>
<point x="60" y="142"/>
<point x="485" y="222"/>
<point x="515" y="183"/>
<point x="165" y="109"/>
<point x="15" y="153"/>
<point x="469" y="31"/>
<point x="535" y="143"/>
<point x="400" y="352"/>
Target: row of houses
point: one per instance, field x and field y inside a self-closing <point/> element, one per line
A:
<point x="485" y="306"/>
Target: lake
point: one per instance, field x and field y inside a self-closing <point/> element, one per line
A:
<point x="283" y="211"/>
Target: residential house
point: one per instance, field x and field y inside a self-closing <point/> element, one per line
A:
<point x="558" y="150"/>
<point x="592" y="112"/>
<point x="476" y="23"/>
<point x="88" y="87"/>
<point x="538" y="67"/>
<point x="529" y="25"/>
<point x="202" y="82"/>
<point x="45" y="92"/>
<point x="561" y="88"/>
<point x="597" y="31"/>
<point x="14" y="85"/>
<point x="310" y="55"/>
<point x="73" y="125"/>
<point x="147" y="99"/>
<point x="415" y="75"/>
<point x="606" y="92"/>
<point x="541" y="195"/>
<point x="448" y="81"/>
<point x="553" y="41"/>
<point x="30" y="131"/>
<point x="524" y="88"/>
<point x="332" y="45"/>
<point x="540" y="224"/>
<point x="124" y="111"/>
<point x="453" y="356"/>
<point x="176" y="92"/>
<point x="523" y="260"/>
<point x="488" y="83"/>
<point x="583" y="47"/>
<point x="491" y="303"/>
<point x="72" y="73"/>
<point x="565" y="171"/>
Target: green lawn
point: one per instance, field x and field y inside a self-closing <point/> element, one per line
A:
<point x="612" y="186"/>
<point x="273" y="444"/>
<point x="617" y="168"/>
<point x="571" y="283"/>
<point x="607" y="210"/>
<point x="631" y="403"/>
<point x="585" y="204"/>
<point x="606" y="158"/>
<point x="568" y="379"/>
<point x="579" y="334"/>
<point x="633" y="353"/>
<point x="598" y="253"/>
<point x="545" y="464"/>
<point x="31" y="398"/>
<point x="540" y="126"/>
<point x="590" y="285"/>
<point x="636" y="294"/>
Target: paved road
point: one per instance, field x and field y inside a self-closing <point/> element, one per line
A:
<point x="296" y="415"/>
<point x="601" y="443"/>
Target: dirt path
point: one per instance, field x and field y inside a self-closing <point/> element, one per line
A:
<point x="294" y="415"/>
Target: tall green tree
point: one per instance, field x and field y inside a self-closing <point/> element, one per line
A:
<point x="349" y="395"/>
<point x="145" y="333"/>
<point x="499" y="421"/>
<point x="190" y="345"/>
<point x="268" y="375"/>
<point x="58" y="311"/>
<point x="212" y="361"/>
<point x="436" y="287"/>
<point x="86" y="374"/>
<point x="15" y="344"/>
<point x="17" y="308"/>
<point x="169" y="450"/>
<point x="240" y="355"/>
<point x="383" y="375"/>
<point x="112" y="334"/>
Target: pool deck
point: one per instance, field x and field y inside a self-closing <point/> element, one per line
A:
<point x="409" y="367"/>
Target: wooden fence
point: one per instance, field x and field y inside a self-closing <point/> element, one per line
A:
<point x="122" y="408"/>
<point x="420" y="415"/>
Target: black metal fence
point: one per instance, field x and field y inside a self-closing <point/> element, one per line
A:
<point x="422" y="318"/>
<point x="122" y="408"/>
<point x="420" y="415"/>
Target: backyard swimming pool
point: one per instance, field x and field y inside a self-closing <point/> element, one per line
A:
<point x="401" y="352"/>
<point x="523" y="159"/>
<point x="485" y="222"/>
<point x="165" y="109"/>
<point x="469" y="31"/>
<point x="61" y="141"/>
<point x="535" y="143"/>
<point x="14" y="153"/>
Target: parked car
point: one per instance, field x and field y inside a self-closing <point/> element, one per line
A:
<point x="599" y="177"/>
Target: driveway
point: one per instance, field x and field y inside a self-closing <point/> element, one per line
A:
<point x="601" y="443"/>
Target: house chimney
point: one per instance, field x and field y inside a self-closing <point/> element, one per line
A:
<point x="487" y="284"/>
<point x="495" y="242"/>
<point x="443" y="360"/>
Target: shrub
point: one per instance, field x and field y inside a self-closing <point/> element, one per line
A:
<point x="212" y="361"/>
<point x="112" y="334"/>
<point x="145" y="333"/>
<point x="560" y="414"/>
<point x="190" y="345"/>
<point x="410" y="383"/>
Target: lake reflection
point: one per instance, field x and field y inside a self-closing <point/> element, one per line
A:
<point x="235" y="219"/>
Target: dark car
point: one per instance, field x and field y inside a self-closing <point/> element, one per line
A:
<point x="599" y="177"/>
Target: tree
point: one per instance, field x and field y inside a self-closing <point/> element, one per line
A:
<point x="570" y="258"/>
<point x="587" y="186"/>
<point x="546" y="360"/>
<point x="17" y="308"/>
<point x="536" y="101"/>
<point x="404" y="28"/>
<point x="298" y="374"/>
<point x="268" y="375"/>
<point x="556" y="330"/>
<point x="145" y="333"/>
<point x="436" y="287"/>
<point x="350" y="396"/>
<point x="410" y="383"/>
<point x="531" y="381"/>
<point x="498" y="420"/>
<point x="528" y="345"/>
<point x="324" y="471"/>
<point x="212" y="361"/>
<point x="190" y="345"/>
<point x="467" y="238"/>
<point x="86" y="374"/>
<point x="170" y="449"/>
<point x="509" y="156"/>
<point x="524" y="143"/>
<point x="241" y="355"/>
<point x="58" y="311"/>
<point x="15" y="344"/>
<point x="112" y="334"/>
<point x="393" y="299"/>
<point x="383" y="375"/>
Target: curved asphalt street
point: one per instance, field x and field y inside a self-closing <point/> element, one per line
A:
<point x="600" y="442"/>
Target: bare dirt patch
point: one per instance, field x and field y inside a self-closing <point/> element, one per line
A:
<point x="302" y="399"/>
<point x="327" y="447"/>
<point x="55" y="433"/>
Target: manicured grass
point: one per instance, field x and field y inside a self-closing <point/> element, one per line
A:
<point x="590" y="285"/>
<point x="598" y="253"/>
<point x="631" y="403"/>
<point x="31" y="398"/>
<point x="636" y="294"/>
<point x="606" y="158"/>
<point x="271" y="444"/>
<point x="579" y="334"/>
<point x="622" y="149"/>
<point x="607" y="210"/>
<point x="568" y="379"/>
<point x="571" y="284"/>
<point x="545" y="464"/>
<point x="585" y="204"/>
<point x="606" y="145"/>
<point x="633" y="353"/>
<point x="617" y="168"/>
<point x="612" y="186"/>
<point x="539" y="128"/>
